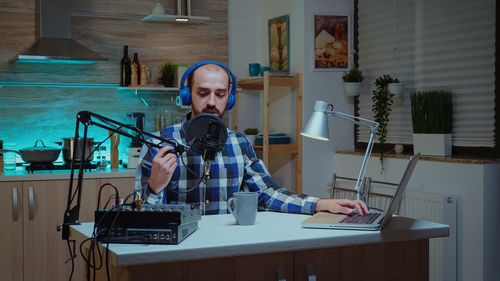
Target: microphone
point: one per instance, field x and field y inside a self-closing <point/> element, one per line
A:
<point x="207" y="135"/>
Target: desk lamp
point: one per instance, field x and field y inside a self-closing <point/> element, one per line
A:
<point x="317" y="128"/>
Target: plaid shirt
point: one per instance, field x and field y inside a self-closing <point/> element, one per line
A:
<point x="236" y="168"/>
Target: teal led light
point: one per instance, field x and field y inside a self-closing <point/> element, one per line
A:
<point x="61" y="85"/>
<point x="55" y="61"/>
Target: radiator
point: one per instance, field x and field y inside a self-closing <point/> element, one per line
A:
<point x="436" y="207"/>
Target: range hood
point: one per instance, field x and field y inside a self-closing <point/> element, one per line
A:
<point x="55" y="44"/>
<point x="184" y="10"/>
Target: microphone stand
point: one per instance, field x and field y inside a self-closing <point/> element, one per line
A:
<point x="72" y="214"/>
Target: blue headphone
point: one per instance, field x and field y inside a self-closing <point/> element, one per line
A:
<point x="186" y="94"/>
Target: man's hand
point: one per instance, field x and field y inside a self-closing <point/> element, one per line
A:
<point x="162" y="169"/>
<point x="344" y="206"/>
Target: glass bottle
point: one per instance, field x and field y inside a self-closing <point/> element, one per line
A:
<point x="136" y="62"/>
<point x="125" y="68"/>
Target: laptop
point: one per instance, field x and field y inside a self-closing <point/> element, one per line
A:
<point x="376" y="220"/>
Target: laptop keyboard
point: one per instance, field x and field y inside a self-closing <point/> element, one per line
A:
<point x="366" y="219"/>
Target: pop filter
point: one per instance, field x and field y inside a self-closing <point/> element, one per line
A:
<point x="206" y="134"/>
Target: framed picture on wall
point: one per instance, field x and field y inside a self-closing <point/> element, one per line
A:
<point x="279" y="47"/>
<point x="332" y="42"/>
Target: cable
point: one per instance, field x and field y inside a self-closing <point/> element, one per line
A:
<point x="201" y="179"/>
<point x="109" y="200"/>
<point x="90" y="154"/>
<point x="71" y="254"/>
<point x="117" y="195"/>
<point x="90" y="259"/>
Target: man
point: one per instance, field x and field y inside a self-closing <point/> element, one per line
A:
<point x="161" y="179"/>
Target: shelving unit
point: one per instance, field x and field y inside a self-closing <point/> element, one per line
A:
<point x="149" y="88"/>
<point x="264" y="84"/>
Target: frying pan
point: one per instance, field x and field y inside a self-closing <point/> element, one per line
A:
<point x="37" y="154"/>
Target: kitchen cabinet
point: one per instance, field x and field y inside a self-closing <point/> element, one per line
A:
<point x="44" y="251"/>
<point x="31" y="248"/>
<point x="265" y="84"/>
<point x="11" y="243"/>
<point x="124" y="185"/>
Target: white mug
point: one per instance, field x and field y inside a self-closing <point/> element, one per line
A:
<point x="243" y="206"/>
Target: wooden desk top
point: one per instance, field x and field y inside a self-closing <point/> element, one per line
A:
<point x="219" y="236"/>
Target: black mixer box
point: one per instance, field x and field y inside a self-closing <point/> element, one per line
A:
<point x="158" y="224"/>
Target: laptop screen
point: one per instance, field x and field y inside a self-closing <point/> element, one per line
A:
<point x="400" y="190"/>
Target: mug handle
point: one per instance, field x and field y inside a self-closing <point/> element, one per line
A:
<point x="230" y="203"/>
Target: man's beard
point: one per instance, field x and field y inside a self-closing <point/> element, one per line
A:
<point x="213" y="110"/>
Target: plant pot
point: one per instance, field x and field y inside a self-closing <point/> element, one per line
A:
<point x="167" y="81"/>
<point x="432" y="144"/>
<point x="352" y="88"/>
<point x="251" y="138"/>
<point x="396" y="88"/>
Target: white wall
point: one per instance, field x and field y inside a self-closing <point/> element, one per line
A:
<point x="317" y="85"/>
<point x="319" y="157"/>
<point x="478" y="185"/>
<point x="244" y="47"/>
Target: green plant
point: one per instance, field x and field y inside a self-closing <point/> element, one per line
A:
<point x="381" y="108"/>
<point x="167" y="73"/>
<point x="353" y="75"/>
<point x="431" y="112"/>
<point x="382" y="102"/>
<point x="251" y="131"/>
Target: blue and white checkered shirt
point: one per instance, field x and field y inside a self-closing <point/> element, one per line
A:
<point x="236" y="168"/>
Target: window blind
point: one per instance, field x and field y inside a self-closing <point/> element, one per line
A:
<point x="429" y="45"/>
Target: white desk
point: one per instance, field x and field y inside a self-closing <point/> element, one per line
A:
<point x="275" y="236"/>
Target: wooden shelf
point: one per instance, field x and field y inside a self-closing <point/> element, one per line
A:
<point x="149" y="88"/>
<point x="263" y="85"/>
<point x="175" y="18"/>
<point x="280" y="148"/>
<point x="257" y="83"/>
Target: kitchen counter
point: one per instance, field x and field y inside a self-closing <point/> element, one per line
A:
<point x="20" y="174"/>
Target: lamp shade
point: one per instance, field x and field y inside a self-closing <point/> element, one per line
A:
<point x="317" y="126"/>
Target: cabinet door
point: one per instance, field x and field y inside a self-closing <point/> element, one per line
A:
<point x="272" y="267"/>
<point x="45" y="253"/>
<point x="124" y="185"/>
<point x="407" y="260"/>
<point x="11" y="238"/>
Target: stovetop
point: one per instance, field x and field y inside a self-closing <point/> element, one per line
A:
<point x="58" y="166"/>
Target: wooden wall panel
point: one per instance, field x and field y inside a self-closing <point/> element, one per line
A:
<point x="33" y="112"/>
<point x="155" y="43"/>
<point x="21" y="4"/>
<point x="215" y="9"/>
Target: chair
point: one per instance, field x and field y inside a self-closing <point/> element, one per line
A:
<point x="343" y="187"/>
<point x="350" y="192"/>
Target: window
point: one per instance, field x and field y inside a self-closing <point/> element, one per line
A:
<point x="430" y="44"/>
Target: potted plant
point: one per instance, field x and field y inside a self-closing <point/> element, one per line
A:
<point x="352" y="81"/>
<point x="431" y="113"/>
<point x="251" y="134"/>
<point x="396" y="88"/>
<point x="167" y="74"/>
<point x="381" y="108"/>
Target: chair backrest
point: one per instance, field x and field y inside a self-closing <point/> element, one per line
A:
<point x="348" y="189"/>
<point x="343" y="187"/>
